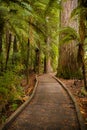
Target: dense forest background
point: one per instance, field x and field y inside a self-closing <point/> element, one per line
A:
<point x="40" y="36"/>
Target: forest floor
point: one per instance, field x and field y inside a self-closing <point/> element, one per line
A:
<point x="28" y="89"/>
<point x="75" y="87"/>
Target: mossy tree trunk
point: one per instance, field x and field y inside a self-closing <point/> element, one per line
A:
<point x="1" y="62"/>
<point x="68" y="66"/>
<point x="47" y="60"/>
<point x="48" y="67"/>
<point x="82" y="32"/>
<point x="44" y="64"/>
<point x="1" y="36"/>
<point x="37" y="60"/>
<point x="27" y="61"/>
<point x="15" y="50"/>
<point x="8" y="42"/>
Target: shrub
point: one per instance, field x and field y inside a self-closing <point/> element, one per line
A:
<point x="10" y="89"/>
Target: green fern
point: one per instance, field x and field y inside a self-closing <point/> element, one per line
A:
<point x="68" y="33"/>
<point x="78" y="10"/>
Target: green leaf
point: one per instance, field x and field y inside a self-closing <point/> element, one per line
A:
<point x="70" y="32"/>
<point x="79" y="10"/>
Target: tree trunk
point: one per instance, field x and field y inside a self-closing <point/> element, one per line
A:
<point x="2" y="22"/>
<point x="27" y="62"/>
<point x="67" y="64"/>
<point x="37" y="61"/>
<point x="82" y="33"/>
<point x="31" y="57"/>
<point x="48" y="58"/>
<point x="15" y="50"/>
<point x="1" y="62"/>
<point x="8" y="50"/>
<point x="15" y="45"/>
<point x="44" y="64"/>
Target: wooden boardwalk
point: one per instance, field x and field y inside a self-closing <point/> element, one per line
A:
<point x="50" y="109"/>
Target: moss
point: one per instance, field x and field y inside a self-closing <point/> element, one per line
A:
<point x="83" y="92"/>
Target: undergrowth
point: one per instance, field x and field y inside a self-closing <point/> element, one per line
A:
<point x="11" y="92"/>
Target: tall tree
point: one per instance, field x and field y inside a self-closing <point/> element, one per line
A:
<point x="82" y="33"/>
<point x="67" y="64"/>
<point x="52" y="22"/>
<point x="48" y="44"/>
<point x="80" y="36"/>
<point x="27" y="61"/>
<point x="8" y="48"/>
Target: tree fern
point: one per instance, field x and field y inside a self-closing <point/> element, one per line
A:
<point x="69" y="33"/>
<point x="78" y="11"/>
<point x="52" y="5"/>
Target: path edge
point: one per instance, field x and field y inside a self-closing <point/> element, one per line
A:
<point x="80" y="118"/>
<point x="19" y="110"/>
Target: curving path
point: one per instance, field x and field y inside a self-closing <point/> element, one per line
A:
<point x="50" y="109"/>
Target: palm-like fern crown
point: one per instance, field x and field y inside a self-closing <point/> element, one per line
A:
<point x="70" y="33"/>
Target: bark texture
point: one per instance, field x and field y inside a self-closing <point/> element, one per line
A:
<point x="48" y="68"/>
<point x="8" y="42"/>
<point x="68" y="66"/>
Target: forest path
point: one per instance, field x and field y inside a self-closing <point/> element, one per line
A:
<point x="50" y="109"/>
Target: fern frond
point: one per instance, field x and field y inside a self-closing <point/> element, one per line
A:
<point x="79" y="10"/>
<point x="52" y="5"/>
<point x="70" y="31"/>
<point x="20" y="3"/>
<point x="40" y="5"/>
<point x="68" y="34"/>
<point x="66" y="39"/>
<point x="38" y="29"/>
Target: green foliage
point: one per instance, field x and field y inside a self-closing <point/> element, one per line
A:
<point x="54" y="56"/>
<point x="10" y="89"/>
<point x="83" y="91"/>
<point x="68" y="74"/>
<point x="69" y="34"/>
<point x="24" y="19"/>
<point x="79" y="10"/>
<point x="52" y="5"/>
<point x="14" y="106"/>
<point x="3" y="118"/>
